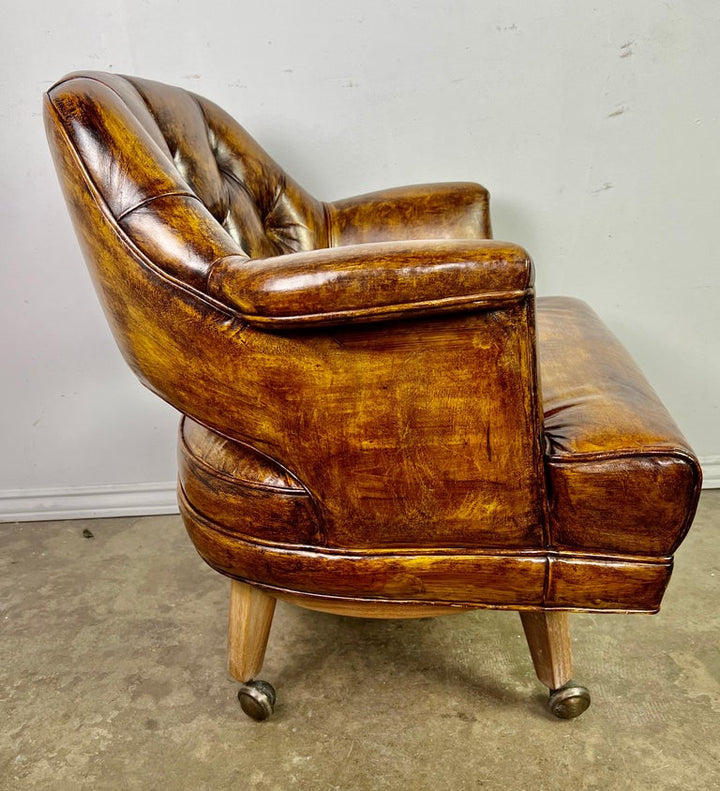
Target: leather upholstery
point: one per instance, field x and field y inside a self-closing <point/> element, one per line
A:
<point x="370" y="416"/>
<point x="373" y="282"/>
<point x="608" y="433"/>
<point x="452" y="211"/>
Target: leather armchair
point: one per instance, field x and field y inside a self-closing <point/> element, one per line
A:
<point x="379" y="418"/>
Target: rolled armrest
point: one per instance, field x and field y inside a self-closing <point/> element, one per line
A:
<point x="372" y="282"/>
<point x="423" y="211"/>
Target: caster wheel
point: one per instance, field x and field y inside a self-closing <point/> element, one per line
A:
<point x="257" y="699"/>
<point x="569" y="701"/>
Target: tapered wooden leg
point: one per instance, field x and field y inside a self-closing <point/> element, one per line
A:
<point x="251" y="614"/>
<point x="548" y="637"/>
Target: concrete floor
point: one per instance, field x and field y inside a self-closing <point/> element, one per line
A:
<point x="112" y="677"/>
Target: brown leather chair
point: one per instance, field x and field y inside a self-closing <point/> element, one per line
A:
<point x="379" y="418"/>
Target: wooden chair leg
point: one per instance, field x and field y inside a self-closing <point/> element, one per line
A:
<point x="251" y="614"/>
<point x="548" y="636"/>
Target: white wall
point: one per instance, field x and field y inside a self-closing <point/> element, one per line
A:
<point x="596" y="130"/>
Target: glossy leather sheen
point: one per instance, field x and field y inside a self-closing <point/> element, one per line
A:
<point x="607" y="431"/>
<point x="370" y="416"/>
<point x="374" y="281"/>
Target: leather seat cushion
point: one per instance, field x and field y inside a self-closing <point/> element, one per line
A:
<point x="621" y="477"/>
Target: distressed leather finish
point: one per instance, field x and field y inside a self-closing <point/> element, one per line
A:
<point x="373" y="282"/>
<point x="239" y="490"/>
<point x="369" y="417"/>
<point x="448" y="211"/>
<point x="607" y="432"/>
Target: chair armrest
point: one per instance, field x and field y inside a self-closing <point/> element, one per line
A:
<point x="372" y="282"/>
<point x="423" y="211"/>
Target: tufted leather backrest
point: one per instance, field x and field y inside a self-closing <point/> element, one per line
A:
<point x="163" y="158"/>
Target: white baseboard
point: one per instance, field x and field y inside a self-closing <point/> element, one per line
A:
<point x="711" y="472"/>
<point x="145" y="499"/>
<point x="75" y="502"/>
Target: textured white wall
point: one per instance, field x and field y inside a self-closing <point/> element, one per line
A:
<point x="595" y="129"/>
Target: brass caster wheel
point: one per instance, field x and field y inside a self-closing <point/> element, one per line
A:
<point x="257" y="699"/>
<point x="569" y="701"/>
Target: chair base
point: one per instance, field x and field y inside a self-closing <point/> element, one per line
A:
<point x="548" y="638"/>
<point x="251" y="614"/>
<point x="469" y="578"/>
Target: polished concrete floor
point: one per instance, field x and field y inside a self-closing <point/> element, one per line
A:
<point x="112" y="677"/>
